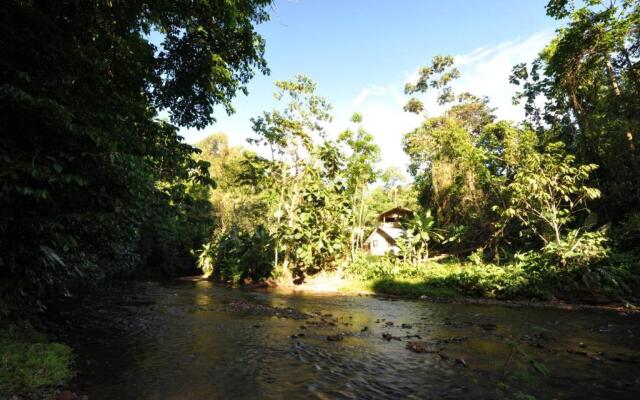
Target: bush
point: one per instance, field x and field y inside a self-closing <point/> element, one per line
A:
<point x="28" y="362"/>
<point x="368" y="268"/>
<point x="626" y="236"/>
<point x="581" y="267"/>
<point x="237" y="256"/>
<point x="589" y="264"/>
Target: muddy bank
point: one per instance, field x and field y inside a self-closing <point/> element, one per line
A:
<point x="332" y="285"/>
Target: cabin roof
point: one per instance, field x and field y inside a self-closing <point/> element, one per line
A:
<point x="390" y="234"/>
<point x="395" y="210"/>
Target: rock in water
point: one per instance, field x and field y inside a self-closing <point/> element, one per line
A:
<point x="67" y="395"/>
<point x="419" y="347"/>
<point x="335" y="338"/>
<point x="388" y="337"/>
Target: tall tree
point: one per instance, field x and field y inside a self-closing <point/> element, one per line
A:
<point x="84" y="154"/>
<point x="301" y="172"/>
<point x="589" y="76"/>
<point x="360" y="171"/>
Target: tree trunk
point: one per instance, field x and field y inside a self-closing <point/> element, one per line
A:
<point x="633" y="72"/>
<point x="613" y="79"/>
<point x="616" y="91"/>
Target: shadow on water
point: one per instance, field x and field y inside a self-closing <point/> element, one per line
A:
<point x="186" y="340"/>
<point x="432" y="287"/>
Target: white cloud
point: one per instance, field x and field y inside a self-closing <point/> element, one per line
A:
<point x="485" y="72"/>
<point x="367" y="92"/>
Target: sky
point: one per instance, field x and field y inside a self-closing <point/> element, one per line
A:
<point x="362" y="52"/>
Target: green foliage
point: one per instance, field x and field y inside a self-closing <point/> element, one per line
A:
<point x="627" y="233"/>
<point x="237" y="199"/>
<point x="548" y="190"/>
<point x="93" y="183"/>
<point x="590" y="80"/>
<point x="523" y="194"/>
<point x="419" y="230"/>
<point x="436" y="76"/>
<point x="360" y="170"/>
<point x="28" y="362"/>
<point x="301" y="183"/>
<point x="368" y="268"/>
<point x="316" y="241"/>
<point x="584" y="267"/>
<point x="452" y="169"/>
<point x="238" y="256"/>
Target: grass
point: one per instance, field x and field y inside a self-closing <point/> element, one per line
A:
<point x="413" y="287"/>
<point x="405" y="287"/>
<point x="526" y="277"/>
<point x="29" y="363"/>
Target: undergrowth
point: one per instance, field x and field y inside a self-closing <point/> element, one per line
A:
<point x="28" y="362"/>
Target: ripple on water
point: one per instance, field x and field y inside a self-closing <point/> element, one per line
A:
<point x="184" y="341"/>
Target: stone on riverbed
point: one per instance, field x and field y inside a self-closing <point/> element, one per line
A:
<point x="260" y="309"/>
<point x="335" y="338"/>
<point x="420" y="347"/>
<point x="388" y="337"/>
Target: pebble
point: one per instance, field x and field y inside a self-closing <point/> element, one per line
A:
<point x="335" y="338"/>
<point x="388" y="337"/>
<point x="461" y="361"/>
<point x="67" y="395"/>
<point x="418" y="347"/>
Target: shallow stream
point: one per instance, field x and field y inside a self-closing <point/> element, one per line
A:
<point x="197" y="340"/>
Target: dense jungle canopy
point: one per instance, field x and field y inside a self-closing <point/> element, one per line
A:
<point x="97" y="184"/>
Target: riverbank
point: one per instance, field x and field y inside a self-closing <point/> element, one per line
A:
<point x="464" y="284"/>
<point x="335" y="283"/>
<point x="32" y="367"/>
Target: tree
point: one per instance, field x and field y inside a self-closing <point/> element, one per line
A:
<point x="419" y="230"/>
<point x="436" y="76"/>
<point x="449" y="171"/>
<point x="446" y="160"/>
<point x="93" y="182"/>
<point x="234" y="203"/>
<point x="589" y="78"/>
<point x="360" y="171"/>
<point x="308" y="199"/>
<point x="392" y="179"/>
<point x="548" y="191"/>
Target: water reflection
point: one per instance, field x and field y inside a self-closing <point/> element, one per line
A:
<point x="188" y="340"/>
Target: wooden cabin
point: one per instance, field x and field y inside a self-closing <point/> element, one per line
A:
<point x="383" y="239"/>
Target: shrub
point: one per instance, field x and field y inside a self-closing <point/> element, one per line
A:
<point x="367" y="268"/>
<point x="627" y="235"/>
<point x="581" y="266"/>
<point x="237" y="255"/>
<point x="28" y="362"/>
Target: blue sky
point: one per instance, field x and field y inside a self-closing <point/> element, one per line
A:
<point x="361" y="52"/>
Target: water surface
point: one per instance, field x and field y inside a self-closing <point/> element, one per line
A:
<point x="197" y="340"/>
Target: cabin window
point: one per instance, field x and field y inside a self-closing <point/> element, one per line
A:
<point x="374" y="243"/>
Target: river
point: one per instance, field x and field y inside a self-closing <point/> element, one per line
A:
<point x="197" y="340"/>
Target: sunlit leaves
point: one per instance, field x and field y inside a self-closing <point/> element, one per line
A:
<point x="437" y="76"/>
<point x="583" y="90"/>
<point x="548" y="191"/>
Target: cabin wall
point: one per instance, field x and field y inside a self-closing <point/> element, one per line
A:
<point x="378" y="245"/>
